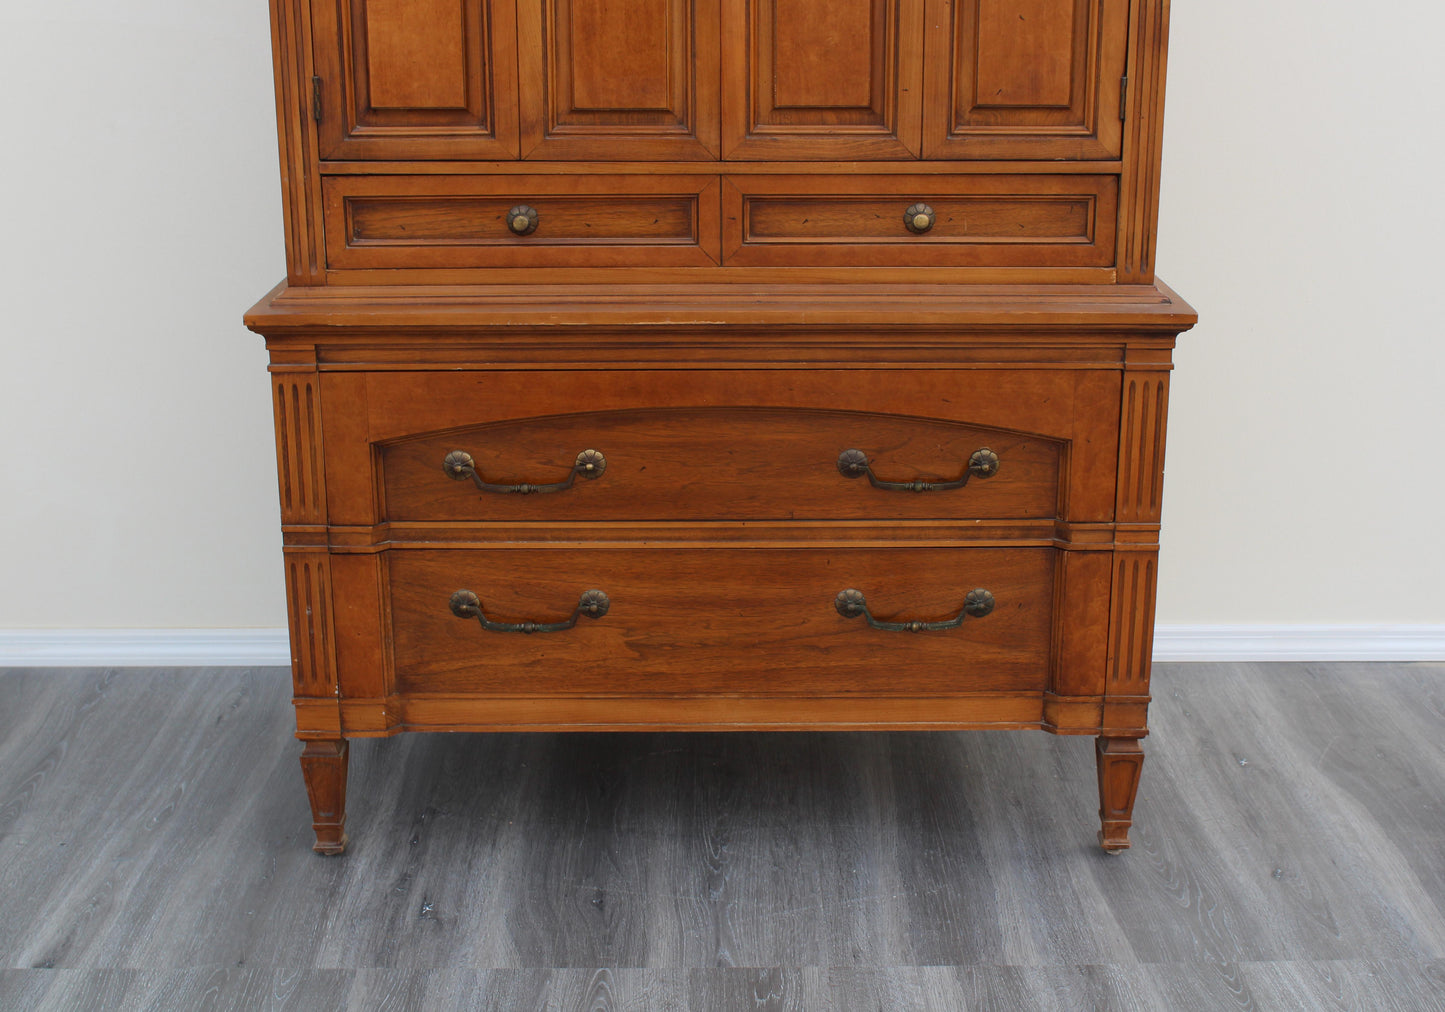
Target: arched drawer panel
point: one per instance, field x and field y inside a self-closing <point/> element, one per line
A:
<point x="721" y="464"/>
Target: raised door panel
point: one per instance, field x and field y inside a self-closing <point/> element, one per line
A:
<point x="607" y="80"/>
<point x="1024" y="78"/>
<point x="807" y="79"/>
<point x="416" y="79"/>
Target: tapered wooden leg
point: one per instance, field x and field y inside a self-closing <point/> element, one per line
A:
<point x="1119" y="761"/>
<point x="323" y="763"/>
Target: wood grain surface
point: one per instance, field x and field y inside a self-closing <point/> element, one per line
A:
<point x="605" y="80"/>
<point x="1287" y="855"/>
<point x="720" y="621"/>
<point x="1024" y="79"/>
<point x="410" y="80"/>
<point x="1026" y="221"/>
<point x="739" y="463"/>
<point x="386" y="222"/>
<point x="772" y="453"/>
<point x="819" y="80"/>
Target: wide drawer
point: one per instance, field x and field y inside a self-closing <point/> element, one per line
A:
<point x="686" y="464"/>
<point x="919" y="220"/>
<point x="387" y="222"/>
<point x="757" y="620"/>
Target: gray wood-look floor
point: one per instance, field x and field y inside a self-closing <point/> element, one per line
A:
<point x="1289" y="853"/>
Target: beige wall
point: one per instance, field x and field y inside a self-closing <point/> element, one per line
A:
<point x="1301" y="215"/>
<point x="142" y="216"/>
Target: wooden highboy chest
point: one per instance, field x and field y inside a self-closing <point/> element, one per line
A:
<point x="720" y="365"/>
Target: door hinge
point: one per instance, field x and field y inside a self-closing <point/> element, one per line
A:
<point x="316" y="99"/>
<point x="1123" y="97"/>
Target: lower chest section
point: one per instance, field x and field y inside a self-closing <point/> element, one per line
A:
<point x="477" y="545"/>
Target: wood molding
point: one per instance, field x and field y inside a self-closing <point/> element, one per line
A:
<point x="300" y="479"/>
<point x="320" y="315"/>
<point x="1143" y="141"/>
<point x="1142" y="419"/>
<point x="1131" y="622"/>
<point x="313" y="634"/>
<point x="300" y="171"/>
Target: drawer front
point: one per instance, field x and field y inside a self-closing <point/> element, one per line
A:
<point x="387" y="222"/>
<point x="920" y="221"/>
<point x="721" y="464"/>
<point x="721" y="620"/>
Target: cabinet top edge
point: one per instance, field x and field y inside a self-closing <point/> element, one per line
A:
<point x="895" y="306"/>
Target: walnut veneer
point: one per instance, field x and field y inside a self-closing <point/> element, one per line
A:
<point x="821" y="337"/>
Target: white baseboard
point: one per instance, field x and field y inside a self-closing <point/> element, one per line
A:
<point x="1299" y="643"/>
<point x="143" y="648"/>
<point x="136" y="648"/>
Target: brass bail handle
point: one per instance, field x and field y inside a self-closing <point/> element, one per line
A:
<point x="589" y="464"/>
<point x="851" y="603"/>
<point x="982" y="463"/>
<point x="593" y="604"/>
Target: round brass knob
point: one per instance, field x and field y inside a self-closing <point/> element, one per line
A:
<point x="458" y="464"/>
<point x="465" y="604"/>
<point x="978" y="602"/>
<point x="590" y="464"/>
<point x="919" y="218"/>
<point x="522" y="220"/>
<point x="594" y="604"/>
<point x="983" y="463"/>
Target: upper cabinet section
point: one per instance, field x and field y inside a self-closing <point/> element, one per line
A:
<point x="411" y="79"/>
<point x="837" y="79"/>
<point x="609" y="80"/>
<point x="1025" y="78"/>
<point x="699" y="80"/>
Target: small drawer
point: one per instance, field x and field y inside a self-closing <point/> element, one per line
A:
<point x="919" y="221"/>
<point x="756" y="620"/>
<point x="690" y="464"/>
<point x="440" y="222"/>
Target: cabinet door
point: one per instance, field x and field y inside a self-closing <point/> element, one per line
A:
<point x="615" y="81"/>
<point x="416" y="78"/>
<point x="805" y="79"/>
<point x="1024" y="78"/>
